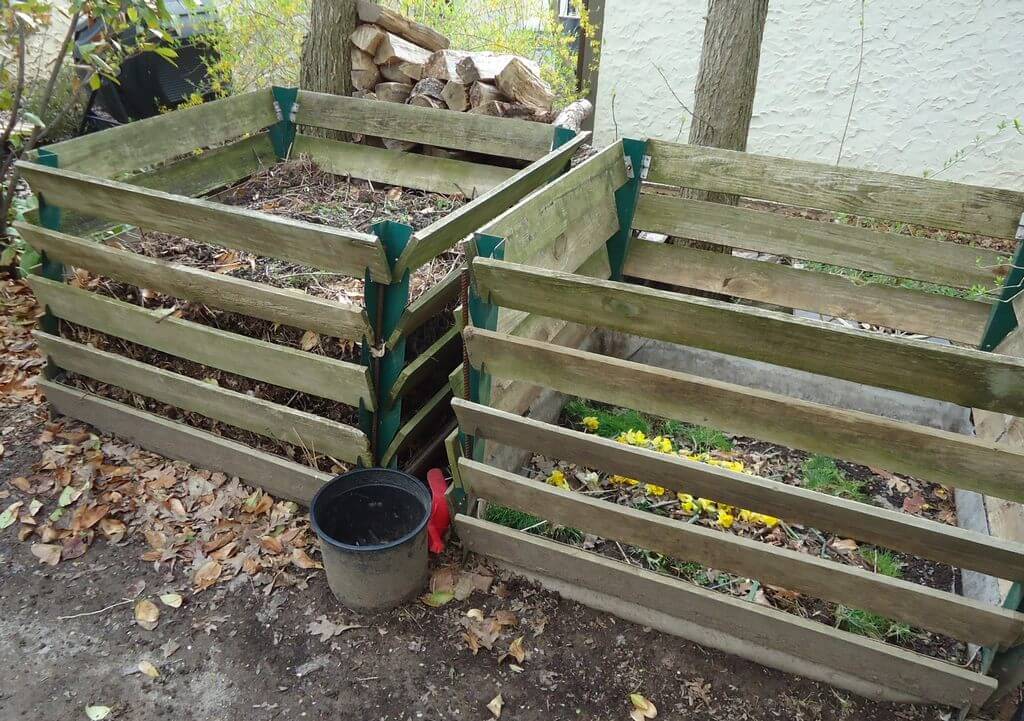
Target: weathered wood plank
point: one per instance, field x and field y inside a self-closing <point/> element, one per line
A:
<point x="920" y="606"/>
<point x="436" y="362"/>
<point x="277" y="475"/>
<point x="164" y="137"/>
<point x="306" y="430"/>
<point x="764" y="635"/>
<point x="342" y="320"/>
<point x="919" y="312"/>
<point x="446" y="232"/>
<point x="848" y="246"/>
<point x="409" y="170"/>
<point x="442" y="128"/>
<point x="257" y="359"/>
<point x="932" y="203"/>
<point x="960" y="375"/>
<point x="870" y="524"/>
<point x="197" y="175"/>
<point x="939" y="456"/>
<point x="427" y="305"/>
<point x="327" y="248"/>
<point x="427" y="418"/>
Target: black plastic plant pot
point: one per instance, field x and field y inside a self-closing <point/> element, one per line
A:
<point x="372" y="525"/>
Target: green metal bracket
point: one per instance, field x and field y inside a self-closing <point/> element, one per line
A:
<point x="385" y="303"/>
<point x="1006" y="666"/>
<point x="483" y="314"/>
<point x="1002" y="319"/>
<point x="282" y="133"/>
<point x="36" y="262"/>
<point x="562" y="136"/>
<point x="625" y="203"/>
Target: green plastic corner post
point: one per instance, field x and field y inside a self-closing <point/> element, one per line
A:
<point x="385" y="303"/>
<point x="1002" y="319"/>
<point x="625" y="205"/>
<point x="282" y="133"/>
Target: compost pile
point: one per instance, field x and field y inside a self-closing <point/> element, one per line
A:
<point x="296" y="189"/>
<point x="746" y="455"/>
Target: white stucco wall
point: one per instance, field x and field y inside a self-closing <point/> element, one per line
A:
<point x="935" y="76"/>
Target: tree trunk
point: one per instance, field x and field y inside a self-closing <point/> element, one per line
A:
<point x="326" y="65"/>
<point x="727" y="78"/>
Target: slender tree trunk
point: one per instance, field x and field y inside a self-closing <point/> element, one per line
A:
<point x="727" y="77"/>
<point x="326" y="65"/>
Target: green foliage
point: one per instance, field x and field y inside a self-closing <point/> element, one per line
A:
<point x="702" y="439"/>
<point x="613" y="421"/>
<point x="865" y="623"/>
<point x="259" y="43"/>
<point x="521" y="521"/>
<point x="863" y="277"/>
<point x="883" y="562"/>
<point x="822" y="474"/>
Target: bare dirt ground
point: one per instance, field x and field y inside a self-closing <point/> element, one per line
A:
<point x="234" y="652"/>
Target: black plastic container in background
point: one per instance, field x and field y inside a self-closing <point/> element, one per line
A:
<point x="372" y="525"/>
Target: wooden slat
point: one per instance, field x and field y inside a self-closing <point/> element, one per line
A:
<point x="931" y="454"/>
<point x="342" y="320"/>
<point x="880" y="526"/>
<point x="427" y="306"/>
<point x="164" y="137"/>
<point x="310" y="432"/>
<point x="409" y="170"/>
<point x="321" y="246"/>
<point x="441" y="128"/>
<point x="445" y="232"/>
<point x="279" y="476"/>
<point x="932" y="203"/>
<point x="428" y="417"/>
<point x="435" y="362"/>
<point x="919" y="312"/>
<point x="964" y="376"/>
<point x="847" y="246"/>
<point x="761" y="634"/>
<point x="268" y="362"/>
<point x="200" y="174"/>
<point x="920" y="606"/>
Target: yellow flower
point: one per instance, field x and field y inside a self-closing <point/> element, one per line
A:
<point x="748" y="516"/>
<point x="770" y="521"/>
<point x="632" y="438"/>
<point x="654" y="490"/>
<point x="591" y="423"/>
<point x="689" y="507"/>
<point x="707" y="504"/>
<point x="661" y="444"/>
<point x="623" y="479"/>
<point x="684" y="497"/>
<point x="557" y="479"/>
<point x="725" y="519"/>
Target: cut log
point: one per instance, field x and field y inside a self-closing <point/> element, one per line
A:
<point x="393" y="92"/>
<point x="411" y="30"/>
<point x="481" y="93"/>
<point x="426" y="101"/>
<point x="394" y="50"/>
<point x="443" y="65"/>
<point x="431" y="87"/>
<point x="456" y="96"/>
<point x="486" y="66"/>
<point x="402" y="145"/>
<point x="394" y="74"/>
<point x="504" y="110"/>
<point x="367" y="38"/>
<point x="519" y="81"/>
<point x="573" y="114"/>
<point x="364" y="94"/>
<point x="365" y="74"/>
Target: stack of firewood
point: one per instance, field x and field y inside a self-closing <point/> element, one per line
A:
<point x="402" y="61"/>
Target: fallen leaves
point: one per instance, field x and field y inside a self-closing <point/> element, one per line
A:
<point x="47" y="553"/>
<point x="449" y="583"/>
<point x="207" y="575"/>
<point x="326" y="629"/>
<point x="495" y="705"/>
<point x="97" y="713"/>
<point x="148" y="669"/>
<point x="173" y="600"/>
<point x="642" y="708"/>
<point x="147" y="614"/>
<point x="10" y="514"/>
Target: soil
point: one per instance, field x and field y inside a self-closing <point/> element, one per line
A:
<point x="248" y="656"/>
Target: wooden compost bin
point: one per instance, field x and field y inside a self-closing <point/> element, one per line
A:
<point x="541" y="278"/>
<point x="149" y="174"/>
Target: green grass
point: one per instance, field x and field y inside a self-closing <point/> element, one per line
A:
<point x="883" y="562"/>
<point x="823" y="475"/>
<point x="863" y="277"/>
<point x="865" y="623"/>
<point x="613" y="421"/>
<point x="702" y="439"/>
<point x="520" y="521"/>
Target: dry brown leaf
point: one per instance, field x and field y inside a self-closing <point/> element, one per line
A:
<point x="642" y="708"/>
<point x="113" y="529"/>
<point x="174" y="600"/>
<point x="272" y="544"/>
<point x="844" y="545"/>
<point x="310" y="340"/>
<point x="516" y="650"/>
<point x="89" y="516"/>
<point x="148" y="668"/>
<point x="147" y="615"/>
<point x="443" y="579"/>
<point x="207" y="575"/>
<point x="914" y="503"/>
<point x="75" y="547"/>
<point x="495" y="706"/>
<point x="505" y="618"/>
<point x="301" y="559"/>
<point x="22" y="484"/>
<point x="47" y="553"/>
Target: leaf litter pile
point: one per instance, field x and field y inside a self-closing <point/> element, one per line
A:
<point x="297" y="189"/>
<point x="745" y="455"/>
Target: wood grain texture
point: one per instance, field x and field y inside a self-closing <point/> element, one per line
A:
<point x="848" y="246"/>
<point x="964" y="376"/>
<point x="278" y="476"/>
<point x="321" y="246"/>
<point x="306" y="430"/>
<point x="197" y="175"/>
<point x="259" y="300"/>
<point x="428" y="418"/>
<point x="449" y="230"/>
<point x="162" y="138"/>
<point x="409" y="170"/>
<point x="427" y="305"/>
<point x="257" y="359"/>
<point x="436" y="362"/>
<point x="932" y="203"/>
<point x="916" y="311"/>
<point x="939" y="456"/>
<point x="716" y="620"/>
<point x="442" y="128"/>
<point x="870" y="524"/>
